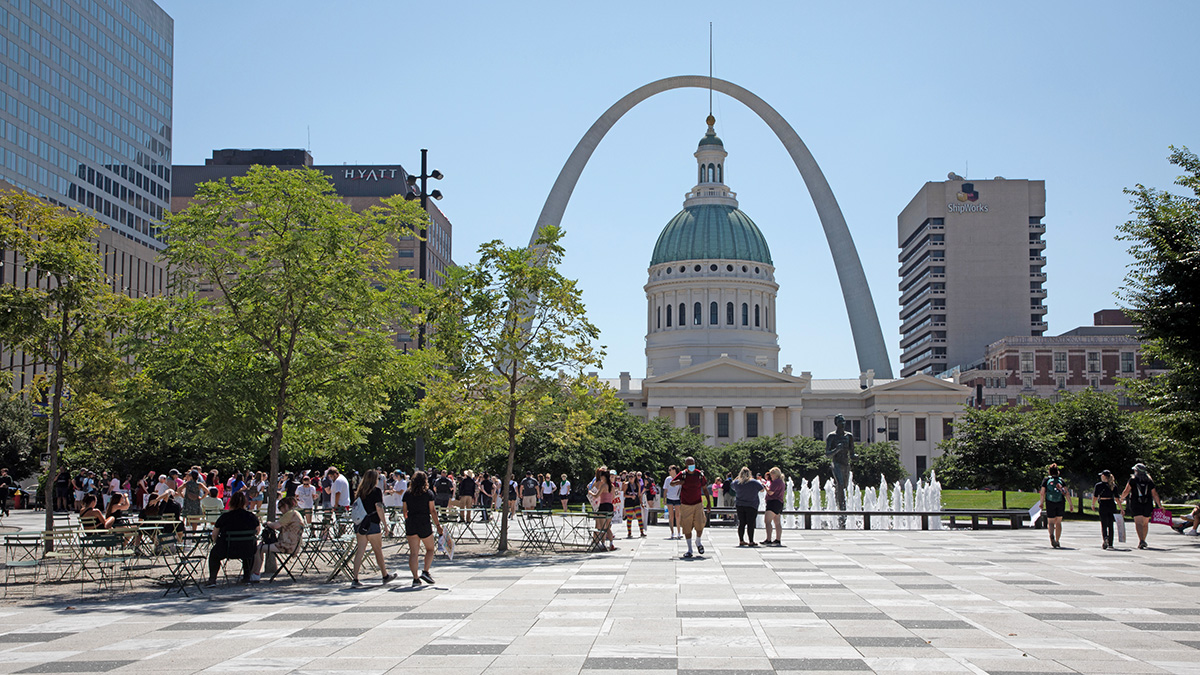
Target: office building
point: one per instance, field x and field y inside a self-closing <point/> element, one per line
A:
<point x="971" y="269"/>
<point x="85" y="123"/>
<point x="360" y="186"/>
<point x="1088" y="357"/>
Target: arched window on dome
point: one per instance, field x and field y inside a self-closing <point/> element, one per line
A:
<point x="745" y="314"/>
<point x="712" y="173"/>
<point x="720" y="174"/>
<point x="697" y="313"/>
<point x="729" y="313"/>
<point x="658" y="317"/>
<point x="756" y="315"/>
<point x="701" y="174"/>
<point x="713" y="310"/>
<point x="682" y="315"/>
<point x="668" y="316"/>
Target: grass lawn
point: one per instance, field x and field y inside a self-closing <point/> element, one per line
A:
<point x="990" y="499"/>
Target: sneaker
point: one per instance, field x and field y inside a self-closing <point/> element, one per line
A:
<point x="255" y="578"/>
<point x="1142" y="544"/>
<point x="416" y="582"/>
<point x="687" y="555"/>
<point x="1192" y="533"/>
<point x="356" y="584"/>
<point x="629" y="536"/>
<point x="211" y="584"/>
<point x="643" y="535"/>
<point x="752" y="544"/>
<point x="700" y="548"/>
<point x="778" y="543"/>
<point x="427" y="577"/>
<point x="388" y="578"/>
<point x="741" y="544"/>
<point x="1104" y="545"/>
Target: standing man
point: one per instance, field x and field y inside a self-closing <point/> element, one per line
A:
<point x="691" y="511"/>
<point x="6" y="485"/>
<point x="443" y="490"/>
<point x="839" y="448"/>
<point x="529" y="490"/>
<point x="339" y="490"/>
<point x="1141" y="496"/>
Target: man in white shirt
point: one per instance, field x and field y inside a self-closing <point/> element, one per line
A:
<point x="339" y="491"/>
<point x="306" y="494"/>
<point x="162" y="485"/>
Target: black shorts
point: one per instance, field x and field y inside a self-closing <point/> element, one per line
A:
<point x="441" y="500"/>
<point x="1144" y="510"/>
<point x="1055" y="509"/>
<point x="606" y="507"/>
<point x="422" y="529"/>
<point x="775" y="505"/>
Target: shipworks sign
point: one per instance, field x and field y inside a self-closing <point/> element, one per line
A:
<point x="966" y="201"/>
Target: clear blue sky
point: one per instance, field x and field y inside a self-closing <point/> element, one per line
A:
<point x="887" y="96"/>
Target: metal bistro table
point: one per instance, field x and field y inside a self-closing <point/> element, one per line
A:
<point x="586" y="530"/>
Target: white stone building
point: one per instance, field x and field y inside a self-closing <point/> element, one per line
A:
<point x="712" y="354"/>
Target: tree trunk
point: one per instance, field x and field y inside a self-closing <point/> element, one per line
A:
<point x="276" y="444"/>
<point x="512" y="455"/>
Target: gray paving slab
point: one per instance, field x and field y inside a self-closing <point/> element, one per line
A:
<point x="948" y="601"/>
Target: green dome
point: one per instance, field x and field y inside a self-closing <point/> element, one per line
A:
<point x="711" y="139"/>
<point x="711" y="232"/>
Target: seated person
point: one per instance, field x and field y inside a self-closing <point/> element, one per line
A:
<point x="164" y="507"/>
<point x="91" y="517"/>
<point x="212" y="502"/>
<point x="236" y="519"/>
<point x="290" y="526"/>
<point x="1191" y="520"/>
<point x="117" y="510"/>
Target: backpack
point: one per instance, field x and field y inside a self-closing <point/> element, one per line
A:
<point x="358" y="512"/>
<point x="1053" y="491"/>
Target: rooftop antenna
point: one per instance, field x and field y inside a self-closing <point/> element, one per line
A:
<point x="710" y="43"/>
<point x="308" y="127"/>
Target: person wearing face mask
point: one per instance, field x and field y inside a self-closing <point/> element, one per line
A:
<point x="691" y="510"/>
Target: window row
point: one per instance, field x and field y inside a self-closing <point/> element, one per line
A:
<point x="680" y="319"/>
<point x="711" y="173"/>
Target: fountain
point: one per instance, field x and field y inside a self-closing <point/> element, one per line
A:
<point x="898" y="497"/>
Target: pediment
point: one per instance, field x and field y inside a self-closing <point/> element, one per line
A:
<point x="920" y="382"/>
<point x="725" y="371"/>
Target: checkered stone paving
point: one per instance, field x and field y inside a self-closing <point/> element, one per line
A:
<point x="996" y="601"/>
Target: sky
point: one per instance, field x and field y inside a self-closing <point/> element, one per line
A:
<point x="1087" y="96"/>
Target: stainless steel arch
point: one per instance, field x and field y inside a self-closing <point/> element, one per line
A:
<point x="864" y="322"/>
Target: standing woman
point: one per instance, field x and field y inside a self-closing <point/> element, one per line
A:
<point x="370" y="530"/>
<point x="773" y="516"/>
<point x="564" y="491"/>
<point x="671" y="492"/>
<point x="1054" y="502"/>
<point x="487" y="495"/>
<point x="746" y="491"/>
<point x="602" y="492"/>
<point x="633" y="505"/>
<point x="192" y="494"/>
<point x="1141" y="496"/>
<point x="1106" y="494"/>
<point x="420" y="519"/>
<point x="468" y="487"/>
<point x="548" y="488"/>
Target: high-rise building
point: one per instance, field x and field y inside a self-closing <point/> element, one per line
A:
<point x="360" y="186"/>
<point x="971" y="270"/>
<point x="85" y="122"/>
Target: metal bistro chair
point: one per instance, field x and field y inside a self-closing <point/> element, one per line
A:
<point x="20" y="554"/>
<point x="181" y="564"/>
<point x="233" y="539"/>
<point x="106" y="554"/>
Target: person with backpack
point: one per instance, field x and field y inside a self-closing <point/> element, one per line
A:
<point x="1141" y="496"/>
<point x="1054" y="503"/>
<point x="369" y="519"/>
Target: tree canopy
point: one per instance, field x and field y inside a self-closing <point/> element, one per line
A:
<point x="280" y="332"/>
<point x="516" y="339"/>
<point x="994" y="447"/>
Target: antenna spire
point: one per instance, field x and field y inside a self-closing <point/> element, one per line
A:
<point x="710" y="61"/>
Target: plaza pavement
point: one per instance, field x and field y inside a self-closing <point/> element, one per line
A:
<point x="997" y="601"/>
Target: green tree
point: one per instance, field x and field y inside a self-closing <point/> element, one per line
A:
<point x="872" y="460"/>
<point x="1094" y="434"/>
<point x="799" y="457"/>
<point x="17" y="434"/>
<point x="517" y="340"/>
<point x="281" y="331"/>
<point x="1162" y="294"/>
<point x="65" y="319"/>
<point x="994" y="447"/>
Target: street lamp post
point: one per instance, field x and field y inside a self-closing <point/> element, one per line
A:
<point x="422" y="252"/>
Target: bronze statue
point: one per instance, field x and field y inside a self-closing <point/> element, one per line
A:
<point x="839" y="448"/>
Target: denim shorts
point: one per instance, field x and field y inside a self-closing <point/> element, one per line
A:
<point x="674" y="502"/>
<point x="368" y="528"/>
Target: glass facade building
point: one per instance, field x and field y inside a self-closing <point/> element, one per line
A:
<point x="85" y="122"/>
<point x="85" y="108"/>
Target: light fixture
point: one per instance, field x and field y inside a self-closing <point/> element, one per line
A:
<point x="436" y="175"/>
<point x="436" y="194"/>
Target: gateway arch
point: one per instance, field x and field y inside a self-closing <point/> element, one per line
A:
<point x="864" y="322"/>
